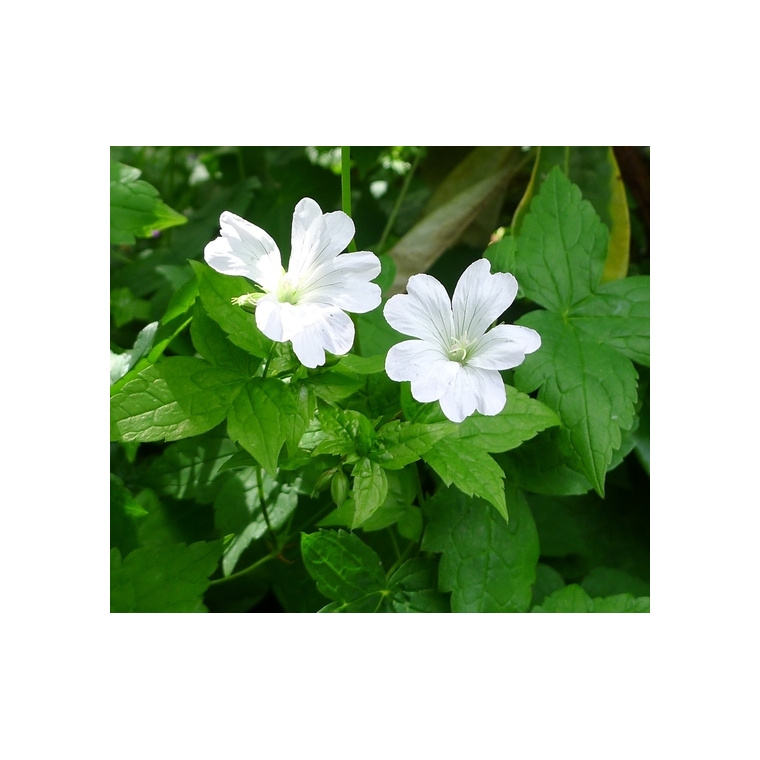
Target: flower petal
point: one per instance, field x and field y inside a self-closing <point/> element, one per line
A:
<point x="331" y="330"/>
<point x="504" y="347"/>
<point x="480" y="297"/>
<point x="344" y="282"/>
<point x="424" y="364"/>
<point x="472" y="389"/>
<point x="244" y="250"/>
<point x="424" y="313"/>
<point x="316" y="237"/>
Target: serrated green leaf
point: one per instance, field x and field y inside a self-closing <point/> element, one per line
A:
<point x="265" y="415"/>
<point x="618" y="315"/>
<point x="521" y="419"/>
<point x="176" y="398"/>
<point x="169" y="578"/>
<point x="590" y="386"/>
<point x="189" y="469"/>
<point x="487" y="564"/>
<point x="573" y="598"/>
<point x="216" y="293"/>
<point x="370" y="488"/>
<point x="238" y="511"/>
<point x="471" y="470"/>
<point x="401" y="443"/>
<point x="343" y="431"/>
<point x="594" y="169"/>
<point x="122" y="363"/>
<point x="561" y="247"/>
<point x="346" y="570"/>
<point x="212" y="343"/>
<point x="136" y="209"/>
<point x="502" y="255"/>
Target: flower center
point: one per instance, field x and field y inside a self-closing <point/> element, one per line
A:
<point x="460" y="349"/>
<point x="287" y="289"/>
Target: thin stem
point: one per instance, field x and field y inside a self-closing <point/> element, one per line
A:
<point x="268" y="360"/>
<point x="345" y="186"/>
<point x="263" y="500"/>
<point x="247" y="570"/>
<point x="397" y="204"/>
<point x="393" y="541"/>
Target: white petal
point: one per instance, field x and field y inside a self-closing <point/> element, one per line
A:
<point x="331" y="330"/>
<point x="269" y="318"/>
<point x="244" y="250"/>
<point x="473" y="389"/>
<point x="344" y="282"/>
<point x="504" y="347"/>
<point x="317" y="238"/>
<point x="459" y="400"/>
<point x="480" y="297"/>
<point x="424" y="313"/>
<point x="424" y="364"/>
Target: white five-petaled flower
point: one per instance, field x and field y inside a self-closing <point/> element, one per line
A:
<point x="457" y="359"/>
<point x="306" y="305"/>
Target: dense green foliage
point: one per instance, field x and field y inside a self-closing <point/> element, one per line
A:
<point x="244" y="481"/>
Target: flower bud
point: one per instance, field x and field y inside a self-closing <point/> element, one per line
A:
<point x="339" y="487"/>
<point x="323" y="480"/>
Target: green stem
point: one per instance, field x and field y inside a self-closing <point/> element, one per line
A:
<point x="402" y="558"/>
<point x="345" y="186"/>
<point x="268" y="360"/>
<point x="247" y="570"/>
<point x="262" y="498"/>
<point x="397" y="204"/>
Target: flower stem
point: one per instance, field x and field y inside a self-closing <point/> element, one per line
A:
<point x="268" y="360"/>
<point x="397" y="204"/>
<point x="345" y="186"/>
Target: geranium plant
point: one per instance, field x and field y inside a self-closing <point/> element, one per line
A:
<point x="369" y="431"/>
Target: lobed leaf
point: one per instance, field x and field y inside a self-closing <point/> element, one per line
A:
<point x="487" y="564"/>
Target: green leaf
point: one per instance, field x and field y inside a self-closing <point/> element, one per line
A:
<point x="369" y="489"/>
<point x="471" y="470"/>
<point x="502" y="255"/>
<point x="573" y="598"/>
<point x="363" y="365"/>
<point x="176" y="317"/>
<point x="216" y="292"/>
<point x="570" y="598"/>
<point x="561" y="247"/>
<point x="169" y="578"/>
<point x="521" y="419"/>
<point x="618" y="315"/>
<point x="136" y="208"/>
<point x="238" y="511"/>
<point x="540" y="466"/>
<point x="375" y="336"/>
<point x="346" y="570"/>
<point x="608" y="581"/>
<point x="122" y="363"/>
<point x="401" y="443"/>
<point x="177" y="398"/>
<point x="487" y="564"/>
<point x="189" y="469"/>
<point x="267" y="414"/>
<point x="548" y="580"/>
<point x="212" y="344"/>
<point x="414" y="587"/>
<point x="343" y="431"/>
<point x="591" y="387"/>
<point x="595" y="170"/>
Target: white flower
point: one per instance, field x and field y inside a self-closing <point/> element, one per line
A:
<point x="455" y="361"/>
<point x="306" y="305"/>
